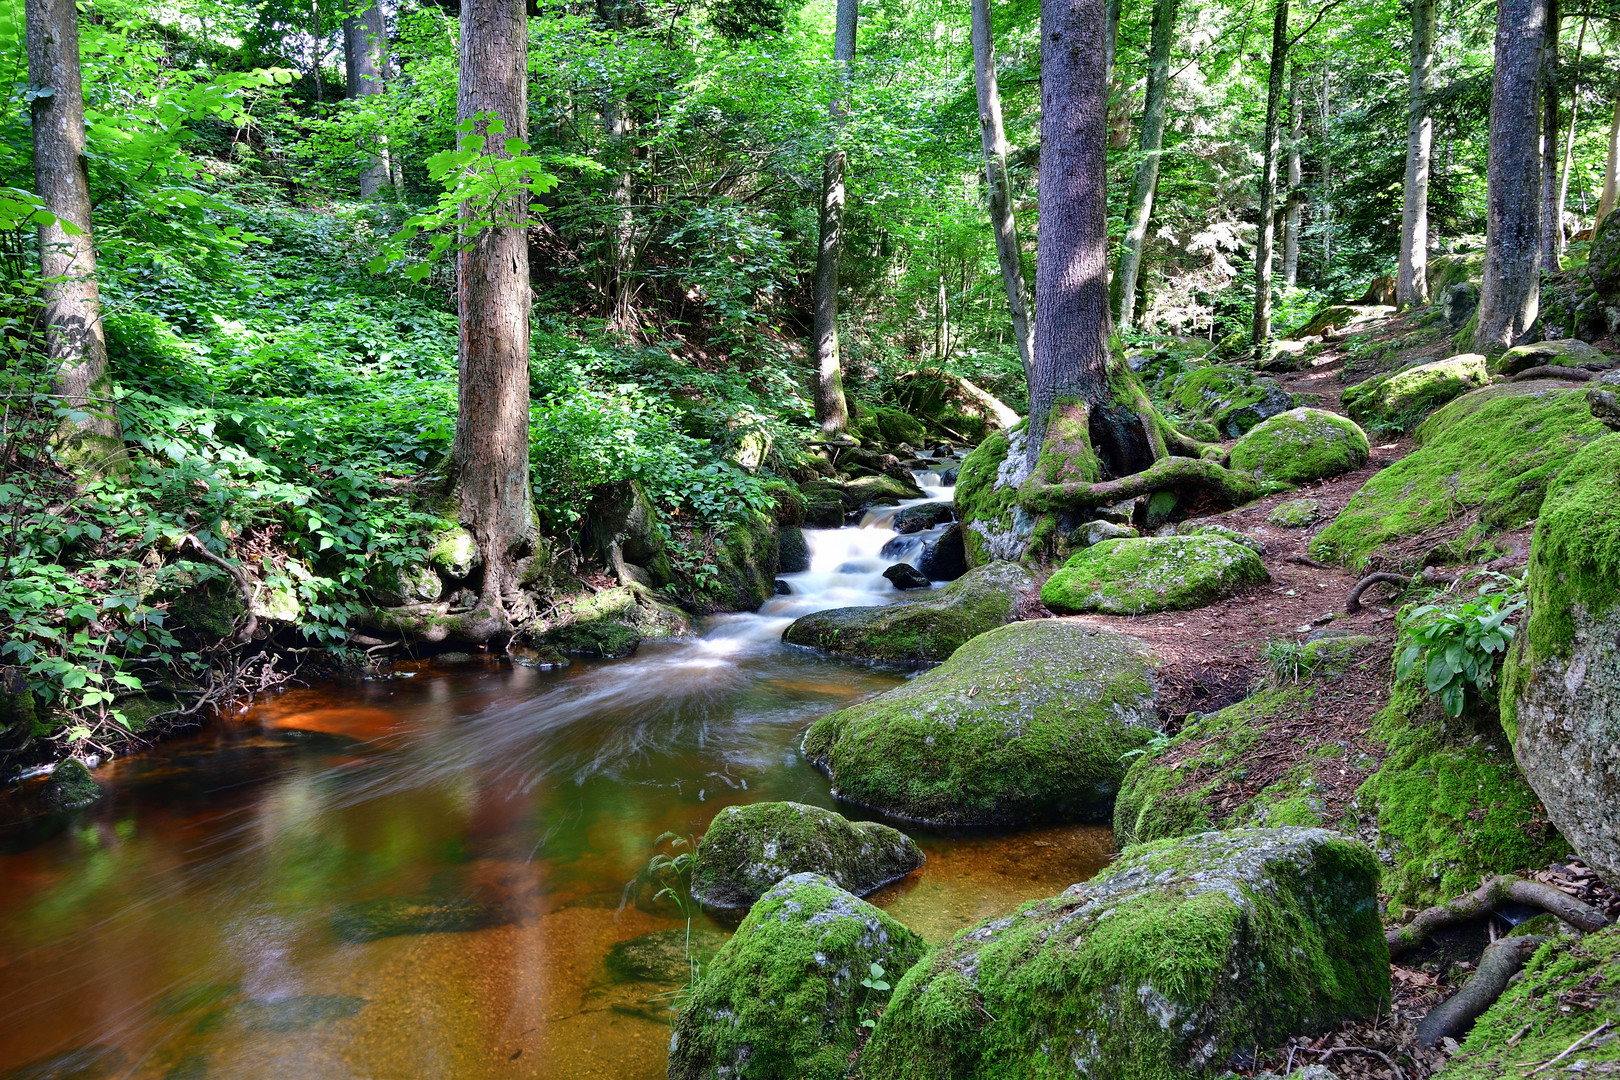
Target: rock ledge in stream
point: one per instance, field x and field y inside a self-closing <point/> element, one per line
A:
<point x="1028" y="722"/>
<point x="750" y="848"/>
<point x="1166" y="964"/>
<point x="926" y="630"/>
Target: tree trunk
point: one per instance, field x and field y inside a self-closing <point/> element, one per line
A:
<point x="365" y="50"/>
<point x="1411" y="283"/>
<point x="832" y="412"/>
<point x="67" y="256"/>
<point x="1140" y="210"/>
<point x="622" y="224"/>
<point x="1111" y="16"/>
<point x="490" y="457"/>
<point x="1569" y="141"/>
<point x="1552" y="230"/>
<point x="1261" y="332"/>
<point x="1009" y="253"/>
<point x="1611" y="170"/>
<point x="1296" y="178"/>
<point x="1511" y="297"/>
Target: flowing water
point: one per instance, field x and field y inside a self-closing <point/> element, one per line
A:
<point x="424" y="876"/>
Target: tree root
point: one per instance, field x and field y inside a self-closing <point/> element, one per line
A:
<point x="1428" y="576"/>
<point x="1569" y="374"/>
<point x="434" y="622"/>
<point x="250" y="625"/>
<point x="1039" y="497"/>
<point x="1484" y="900"/>
<point x="1452" y="1018"/>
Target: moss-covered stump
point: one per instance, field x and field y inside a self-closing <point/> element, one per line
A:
<point x="613" y="623"/>
<point x="994" y="526"/>
<point x="1561" y="686"/>
<point x="1230" y="400"/>
<point x="926" y="630"/>
<point x="1399" y="400"/>
<point x="1301" y="445"/>
<point x="1489" y="453"/>
<point x="1565" y="352"/>
<point x="70" y="787"/>
<point x="784" y="1000"/>
<point x="1029" y="722"/>
<point x="750" y="848"/>
<point x="1152" y="573"/>
<point x="1569" y="989"/>
<point x="1167" y="964"/>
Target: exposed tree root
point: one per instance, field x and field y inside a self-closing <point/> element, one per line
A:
<point x="1428" y="576"/>
<point x="435" y="622"/>
<point x="1569" y="374"/>
<point x="250" y="625"/>
<point x="1452" y="1018"/>
<point x="1484" y="900"/>
<point x="1039" y="497"/>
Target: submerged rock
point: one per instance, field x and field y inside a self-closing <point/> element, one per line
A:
<point x="1167" y="964"/>
<point x="1028" y="722"/>
<point x="926" y="630"/>
<point x="1397" y="401"/>
<point x="750" y="848"/>
<point x="71" y="787"/>
<point x="784" y="1000"/>
<point x="86" y="1063"/>
<point x="396" y="916"/>
<point x="298" y="1013"/>
<point x="1152" y="573"/>
<point x="1565" y="352"/>
<point x="663" y="955"/>
<point x="1301" y="445"/>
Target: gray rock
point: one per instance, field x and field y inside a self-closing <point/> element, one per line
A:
<point x="1604" y="398"/>
<point x="1459" y="304"/>
<point x="1564" y="352"/>
<point x="904" y="576"/>
<point x="926" y="516"/>
<point x="1095" y="532"/>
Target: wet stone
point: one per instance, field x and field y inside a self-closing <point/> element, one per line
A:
<point x="905" y="576"/>
<point x="283" y="1015"/>
<point x="371" y="920"/>
<point x="663" y="955"/>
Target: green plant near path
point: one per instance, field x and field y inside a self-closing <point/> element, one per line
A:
<point x="1457" y="643"/>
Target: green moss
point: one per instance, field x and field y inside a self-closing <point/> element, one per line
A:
<point x="1029" y="721"/>
<point x="994" y="526"/>
<point x="1448" y="270"/>
<point x="1564" y="352"/>
<point x="200" y="599"/>
<point x="1161" y="573"/>
<point x="1301" y="445"/>
<point x="612" y="623"/>
<point x="1229" y="400"/>
<point x="70" y="786"/>
<point x="1490" y="452"/>
<point x="783" y="1000"/>
<point x="453" y="552"/>
<point x="747" y="849"/>
<point x="1295" y="514"/>
<point x="787" y="502"/>
<point x="1397" y="401"/>
<point x="1163" y="966"/>
<point x="745" y="565"/>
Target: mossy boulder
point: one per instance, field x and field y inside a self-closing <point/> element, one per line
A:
<point x="747" y="849"/>
<point x="1152" y="573"/>
<point x="1032" y="721"/>
<point x="1196" y="527"/>
<point x="612" y="623"/>
<point x="1295" y="514"/>
<point x="1565" y="352"/>
<point x="792" y="550"/>
<point x="1399" y="400"/>
<point x="1603" y="396"/>
<point x="784" y="999"/>
<point x="824" y="506"/>
<point x="623" y="516"/>
<point x="1490" y="454"/>
<point x="1342" y="319"/>
<point x="1561" y="687"/>
<point x="1230" y="400"/>
<point x="745" y="565"/>
<point x="1171" y="962"/>
<point x="1301" y="445"/>
<point x="923" y="516"/>
<point x="1459" y="268"/>
<point x="410" y="583"/>
<point x="994" y="526"/>
<point x="70" y="787"/>
<point x="453" y="552"/>
<point x="925" y="630"/>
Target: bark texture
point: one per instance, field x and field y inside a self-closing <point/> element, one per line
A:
<point x="1261" y="332"/>
<point x="1611" y="170"/>
<point x="1411" y="282"/>
<point x="1552" y="230"/>
<point x="832" y="411"/>
<point x="67" y="260"/>
<point x="1569" y="141"/>
<point x="490" y="457"/>
<point x="997" y="186"/>
<point x="1146" y="181"/>
<point x="365" y="53"/>
<point x="1296" y="178"/>
<point x="1511" y="296"/>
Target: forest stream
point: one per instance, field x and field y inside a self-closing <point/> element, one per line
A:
<point x="424" y="875"/>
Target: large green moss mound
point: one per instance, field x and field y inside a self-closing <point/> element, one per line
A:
<point x="926" y="630"/>
<point x="1031" y="721"/>
<point x="613" y="623"/>
<point x="747" y="849"/>
<point x="1564" y="352"/>
<point x="994" y="526"/>
<point x="1165" y="965"/>
<point x="1489" y="453"/>
<point x="1399" y="400"/>
<point x="1152" y="573"/>
<point x="1301" y="445"/>
<point x="1230" y="401"/>
<point x="784" y="1000"/>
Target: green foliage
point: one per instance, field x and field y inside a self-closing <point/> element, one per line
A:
<point x="1458" y="642"/>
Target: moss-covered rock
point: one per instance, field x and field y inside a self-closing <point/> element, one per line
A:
<point x="1342" y="319"/>
<point x="1295" y="514"/>
<point x="1561" y="686"/>
<point x="1460" y="268"/>
<point x="925" y="630"/>
<point x="1230" y="400"/>
<point x="1603" y="396"/>
<point x="410" y="583"/>
<point x="665" y="956"/>
<point x="745" y="565"/>
<point x="792" y="550"/>
<point x="750" y="848"/>
<point x="1031" y="721"/>
<point x="994" y="526"/>
<point x="612" y="623"/>
<point x="453" y="552"/>
<point x="1167" y="964"/>
<point x="1197" y="527"/>
<point x="1301" y="445"/>
<point x="400" y="916"/>
<point x="70" y="787"/>
<point x="1152" y="573"/>
<point x="1399" y="400"/>
<point x="784" y="999"/>
<point x="1491" y="452"/>
<point x="1565" y="352"/>
<point x="923" y="516"/>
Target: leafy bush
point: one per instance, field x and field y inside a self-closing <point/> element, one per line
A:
<point x="1458" y="642"/>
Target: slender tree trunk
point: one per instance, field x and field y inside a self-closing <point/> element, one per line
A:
<point x="832" y="411"/>
<point x="1569" y="141"/>
<point x="67" y="255"/>
<point x="1511" y="297"/>
<point x="1146" y="181"/>
<point x="1327" y="162"/>
<point x="621" y="231"/>
<point x="490" y="456"/>
<point x="1009" y="253"/>
<point x="1071" y="279"/>
<point x="365" y="50"/>
<point x="1412" y="281"/>
<point x="1611" y="170"/>
<point x="1296" y="178"/>
<point x="1111" y="16"/>
<point x="1552" y="230"/>
<point x="1268" y="177"/>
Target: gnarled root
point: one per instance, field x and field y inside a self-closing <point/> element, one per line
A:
<point x="250" y="625"/>
<point x="1484" y="900"/>
<point x="1039" y="497"/>
<point x="1452" y="1018"/>
<point x="1428" y="576"/>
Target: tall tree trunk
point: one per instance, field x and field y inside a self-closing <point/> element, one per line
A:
<point x="1146" y="181"/>
<point x="1296" y="178"/>
<point x="490" y="456"/>
<point x="1009" y="253"/>
<point x="832" y="411"/>
<point x="67" y="255"/>
<point x="1111" y="17"/>
<point x="622" y="226"/>
<point x="1569" y="141"/>
<point x="1552" y="230"/>
<point x="1261" y="332"/>
<point x="1611" y="170"/>
<point x="365" y="51"/>
<point x="1412" y="283"/>
<point x="1511" y="296"/>
<point x="1327" y="162"/>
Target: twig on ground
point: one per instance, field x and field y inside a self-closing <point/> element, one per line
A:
<point x="1577" y="1044"/>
